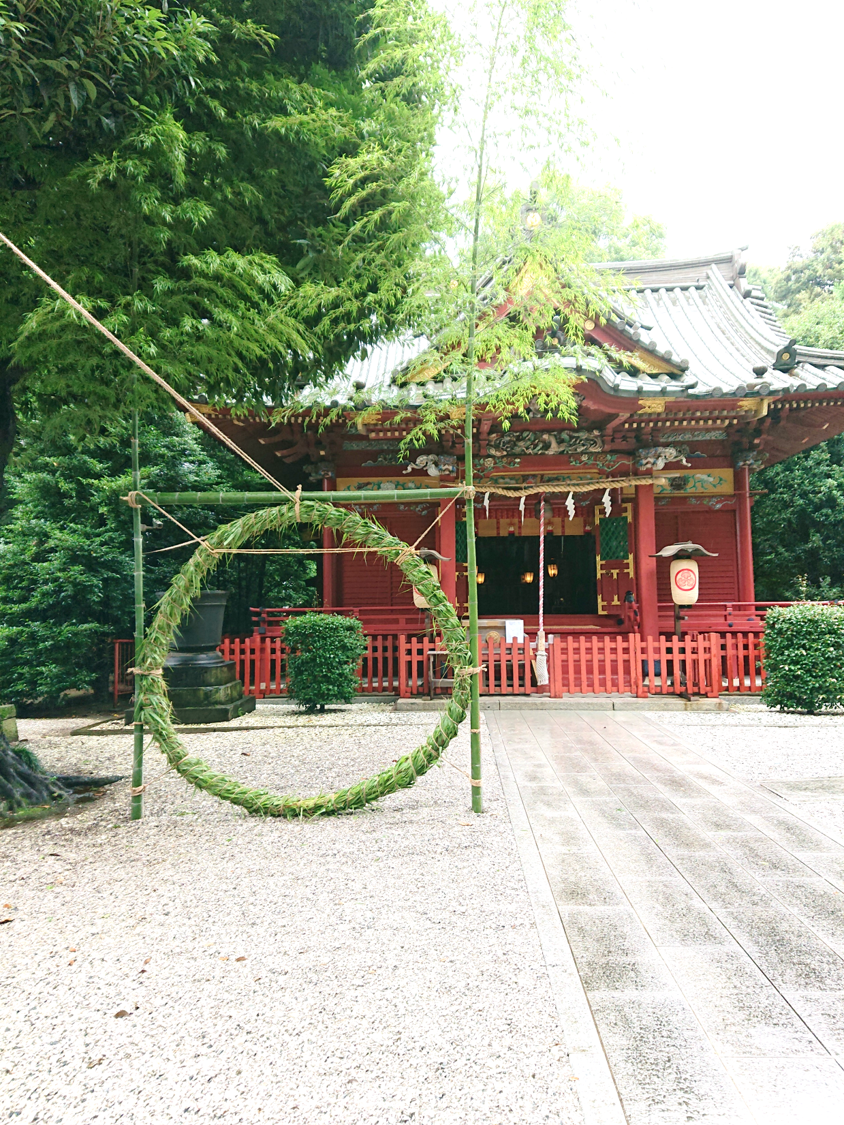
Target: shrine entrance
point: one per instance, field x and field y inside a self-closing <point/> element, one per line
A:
<point x="510" y="568"/>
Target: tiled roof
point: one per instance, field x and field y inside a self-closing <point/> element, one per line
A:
<point x="381" y="361"/>
<point x="699" y="314"/>
<point x="371" y="373"/>
<point x="717" y="328"/>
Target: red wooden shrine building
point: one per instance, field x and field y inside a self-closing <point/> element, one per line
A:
<point x="710" y="388"/>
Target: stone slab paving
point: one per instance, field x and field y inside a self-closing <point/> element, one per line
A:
<point x="705" y="919"/>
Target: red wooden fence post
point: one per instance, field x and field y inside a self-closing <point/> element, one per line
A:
<point x="715" y="663"/>
<point x="636" y="673"/>
<point x="404" y="691"/>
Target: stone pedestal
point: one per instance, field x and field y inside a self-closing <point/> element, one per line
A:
<point x="203" y="688"/>
<point x="206" y="693"/>
<point x="8" y="722"/>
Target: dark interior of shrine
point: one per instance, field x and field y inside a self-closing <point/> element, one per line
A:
<point x="510" y="566"/>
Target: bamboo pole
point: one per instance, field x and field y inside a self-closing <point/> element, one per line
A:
<point x="474" y="646"/>
<point x="138" y="545"/>
<point x="270" y="499"/>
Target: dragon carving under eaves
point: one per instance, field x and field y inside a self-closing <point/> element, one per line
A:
<point x="753" y="459"/>
<point x="434" y="464"/>
<point x="657" y="457"/>
<point x="536" y="443"/>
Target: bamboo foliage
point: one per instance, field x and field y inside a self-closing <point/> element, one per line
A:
<point x="352" y="529"/>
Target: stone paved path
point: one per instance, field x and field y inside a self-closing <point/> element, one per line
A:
<point x="706" y="920"/>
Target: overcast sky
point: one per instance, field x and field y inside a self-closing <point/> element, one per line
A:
<point x="727" y="115"/>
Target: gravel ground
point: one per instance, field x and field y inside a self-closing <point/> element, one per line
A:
<point x="759" y="745"/>
<point x="376" y="968"/>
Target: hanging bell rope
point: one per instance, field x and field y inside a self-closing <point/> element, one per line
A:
<point x="541" y="655"/>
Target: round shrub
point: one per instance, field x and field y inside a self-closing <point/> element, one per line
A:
<point x="804" y="657"/>
<point x="324" y="651"/>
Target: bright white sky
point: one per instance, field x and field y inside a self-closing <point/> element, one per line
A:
<point x="727" y="115"/>
<point x="721" y="118"/>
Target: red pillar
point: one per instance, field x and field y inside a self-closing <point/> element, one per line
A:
<point x="447" y="545"/>
<point x="746" y="587"/>
<point x="330" y="567"/>
<point x="645" y="518"/>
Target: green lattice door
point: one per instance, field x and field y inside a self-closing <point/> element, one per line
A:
<point x="614" y="558"/>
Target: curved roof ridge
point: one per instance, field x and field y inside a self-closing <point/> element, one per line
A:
<point x="745" y="314"/>
<point x="668" y="273"/>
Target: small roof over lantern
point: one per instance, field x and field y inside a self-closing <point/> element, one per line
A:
<point x="684" y="551"/>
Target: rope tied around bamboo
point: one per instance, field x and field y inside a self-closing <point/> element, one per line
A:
<point x="176" y="603"/>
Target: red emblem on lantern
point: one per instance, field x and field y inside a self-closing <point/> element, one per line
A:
<point x="685" y="579"/>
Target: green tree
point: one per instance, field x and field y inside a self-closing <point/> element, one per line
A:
<point x="66" y="584"/>
<point x="810" y="275"/>
<point x="188" y="214"/>
<point x="798" y="544"/>
<point x="797" y="539"/>
<point x="808" y="292"/>
<point x="820" y="322"/>
<point x="615" y="236"/>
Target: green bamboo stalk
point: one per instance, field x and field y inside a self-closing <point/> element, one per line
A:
<point x="265" y="499"/>
<point x="468" y="460"/>
<point x="138" y="546"/>
<point x="474" y="646"/>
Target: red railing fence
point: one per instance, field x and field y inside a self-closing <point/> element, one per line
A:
<point x="701" y="664"/>
<point x="122" y="680"/>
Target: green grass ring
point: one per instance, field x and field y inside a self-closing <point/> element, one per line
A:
<point x="351" y="528"/>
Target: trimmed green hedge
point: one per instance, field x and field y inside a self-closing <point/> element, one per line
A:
<point x="324" y="653"/>
<point x="804" y="657"/>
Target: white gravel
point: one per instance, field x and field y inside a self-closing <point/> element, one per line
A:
<point x="376" y="968"/>
<point x="758" y="745"/>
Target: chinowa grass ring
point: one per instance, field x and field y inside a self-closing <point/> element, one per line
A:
<point x="353" y="529"/>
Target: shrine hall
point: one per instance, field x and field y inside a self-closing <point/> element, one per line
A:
<point x="701" y="386"/>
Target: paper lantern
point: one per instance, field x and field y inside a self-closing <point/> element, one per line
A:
<point x="685" y="581"/>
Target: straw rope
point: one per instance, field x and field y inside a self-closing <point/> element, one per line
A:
<point x="152" y="689"/>
<point x="592" y="485"/>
